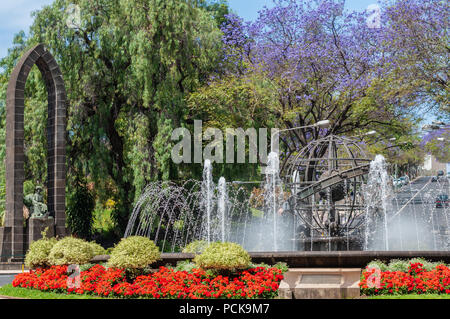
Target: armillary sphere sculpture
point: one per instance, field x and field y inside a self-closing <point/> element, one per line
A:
<point x="325" y="180"/>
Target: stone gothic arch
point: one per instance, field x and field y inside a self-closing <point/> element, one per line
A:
<point x="15" y="156"/>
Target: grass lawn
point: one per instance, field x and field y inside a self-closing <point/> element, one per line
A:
<point x="412" y="296"/>
<point x="9" y="290"/>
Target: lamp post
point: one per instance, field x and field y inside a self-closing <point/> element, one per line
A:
<point x="397" y="145"/>
<point x="362" y="136"/>
<point x="370" y="133"/>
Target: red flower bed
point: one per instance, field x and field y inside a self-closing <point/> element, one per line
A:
<point x="166" y="283"/>
<point x="416" y="281"/>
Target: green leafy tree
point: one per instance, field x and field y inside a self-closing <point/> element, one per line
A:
<point x="80" y="206"/>
<point x="127" y="67"/>
<point x="235" y="102"/>
<point x="437" y="143"/>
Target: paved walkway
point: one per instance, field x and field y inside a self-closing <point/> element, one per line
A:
<point x="7" y="276"/>
<point x="11" y="272"/>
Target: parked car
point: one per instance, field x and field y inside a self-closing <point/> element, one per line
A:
<point x="404" y="180"/>
<point x="448" y="175"/>
<point x="440" y="173"/>
<point x="442" y="201"/>
<point x="397" y="182"/>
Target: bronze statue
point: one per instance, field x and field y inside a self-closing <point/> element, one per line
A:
<point x="35" y="203"/>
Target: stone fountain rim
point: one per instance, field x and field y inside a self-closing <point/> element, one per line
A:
<point x="312" y="259"/>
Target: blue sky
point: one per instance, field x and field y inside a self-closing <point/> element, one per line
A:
<point x="15" y="15"/>
<point x="248" y="9"/>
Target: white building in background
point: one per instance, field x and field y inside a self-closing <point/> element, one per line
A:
<point x="427" y="163"/>
<point x="431" y="165"/>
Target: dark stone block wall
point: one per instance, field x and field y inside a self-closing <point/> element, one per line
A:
<point x="15" y="157"/>
<point x="5" y="243"/>
<point x="35" y="227"/>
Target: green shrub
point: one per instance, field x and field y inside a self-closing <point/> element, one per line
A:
<point x="86" y="266"/>
<point x="282" y="266"/>
<point x="437" y="263"/>
<point x="103" y="222"/>
<point x="418" y="260"/>
<point x="378" y="264"/>
<point x="223" y="256"/>
<point x="29" y="187"/>
<point x="70" y="250"/>
<point x="80" y="206"/>
<point x="38" y="254"/>
<point x="398" y="265"/>
<point x="279" y="265"/>
<point x="196" y="247"/>
<point x="134" y="252"/>
<point x="185" y="265"/>
<point x="97" y="249"/>
<point x="403" y="264"/>
<point x="427" y="265"/>
<point x="264" y="265"/>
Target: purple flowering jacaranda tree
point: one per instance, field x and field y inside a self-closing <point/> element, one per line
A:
<point x="323" y="61"/>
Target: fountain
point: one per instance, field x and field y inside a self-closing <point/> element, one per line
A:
<point x="378" y="194"/>
<point x="273" y="192"/>
<point x="207" y="191"/>
<point x="222" y="207"/>
<point x="327" y="206"/>
<point x="175" y="215"/>
<point x="318" y="200"/>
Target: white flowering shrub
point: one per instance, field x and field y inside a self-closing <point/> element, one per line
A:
<point x="196" y="247"/>
<point x="70" y="250"/>
<point x="97" y="249"/>
<point x="135" y="252"/>
<point x="378" y="264"/>
<point x="398" y="265"/>
<point x="38" y="254"/>
<point x="427" y="265"/>
<point x="223" y="256"/>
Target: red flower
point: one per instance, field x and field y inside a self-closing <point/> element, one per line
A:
<point x="166" y="283"/>
<point x="416" y="280"/>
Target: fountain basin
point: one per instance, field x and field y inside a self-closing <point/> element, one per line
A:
<point x="342" y="243"/>
<point x="313" y="259"/>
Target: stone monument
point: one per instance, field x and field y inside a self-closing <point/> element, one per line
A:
<point x="39" y="218"/>
<point x="13" y="237"/>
